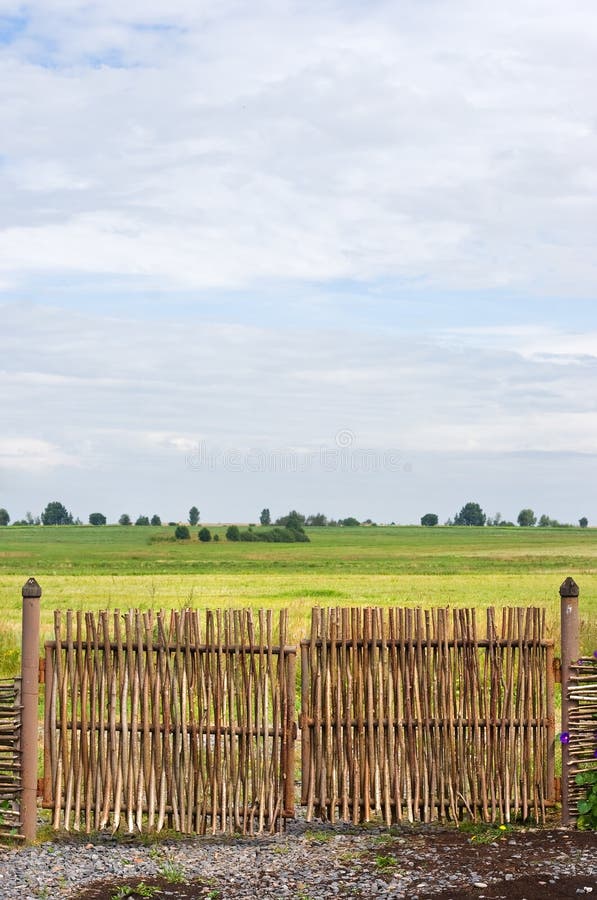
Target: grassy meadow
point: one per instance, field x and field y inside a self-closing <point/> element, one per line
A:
<point x="113" y="567"/>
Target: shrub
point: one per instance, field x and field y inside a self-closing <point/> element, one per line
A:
<point x="216" y="537"/>
<point x="182" y="533"/>
<point x="97" y="519"/>
<point x="429" y="520"/>
<point x="155" y="520"/>
<point x="233" y="533"/>
<point x="204" y="535"/>
<point x="142" y="520"/>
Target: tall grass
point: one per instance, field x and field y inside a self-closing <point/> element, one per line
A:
<point x="10" y="650"/>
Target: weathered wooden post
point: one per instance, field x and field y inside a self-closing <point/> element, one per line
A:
<point x="570" y="626"/>
<point x="29" y="693"/>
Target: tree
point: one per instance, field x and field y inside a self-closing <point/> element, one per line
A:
<point x="526" y="518"/>
<point x="429" y="519"/>
<point x="583" y="522"/>
<point x="142" y="520"/>
<point x="265" y="517"/>
<point x="318" y="520"/>
<point x="4" y="517"/>
<point x="155" y="520"/>
<point x="233" y="533"/>
<point x="56" y="514"/>
<point x="182" y="533"/>
<point x="193" y="516"/>
<point x="470" y="514"/>
<point x="294" y="520"/>
<point x="546" y="522"/>
<point x="204" y="535"/>
<point x="350" y="522"/>
<point x="125" y="519"/>
<point x="216" y="537"/>
<point x="97" y="519"/>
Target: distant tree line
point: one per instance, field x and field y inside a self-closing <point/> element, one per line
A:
<point x="292" y="524"/>
<point x="56" y="513"/>
<point x="472" y="514"/>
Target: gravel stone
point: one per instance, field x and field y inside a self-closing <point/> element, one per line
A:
<point x="313" y="861"/>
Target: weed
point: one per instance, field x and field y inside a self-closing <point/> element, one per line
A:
<point x="385" y="862"/>
<point x="281" y="849"/>
<point x="320" y="837"/>
<point x="482" y="833"/>
<point x="172" y="871"/>
<point x="140" y="890"/>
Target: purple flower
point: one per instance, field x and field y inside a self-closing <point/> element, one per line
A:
<point x="595" y="653"/>
<point x="565" y="737"/>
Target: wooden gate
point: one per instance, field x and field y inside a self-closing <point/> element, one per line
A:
<point x="169" y="720"/>
<point x="415" y="715"/>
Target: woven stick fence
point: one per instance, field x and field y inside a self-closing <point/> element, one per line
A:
<point x="414" y="715"/>
<point x="10" y="758"/>
<point x="169" y="720"/>
<point x="582" y="726"/>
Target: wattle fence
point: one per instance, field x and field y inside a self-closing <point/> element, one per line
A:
<point x="169" y="720"/>
<point x="187" y="720"/>
<point x="426" y="715"/>
<point x="10" y="758"/>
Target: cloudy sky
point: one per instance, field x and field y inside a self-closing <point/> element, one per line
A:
<point x="331" y="255"/>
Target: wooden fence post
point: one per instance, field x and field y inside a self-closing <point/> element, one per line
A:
<point x="570" y="626"/>
<point x="29" y="692"/>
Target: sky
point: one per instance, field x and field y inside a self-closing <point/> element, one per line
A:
<point x="332" y="256"/>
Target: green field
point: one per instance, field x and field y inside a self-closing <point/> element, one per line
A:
<point x="120" y="567"/>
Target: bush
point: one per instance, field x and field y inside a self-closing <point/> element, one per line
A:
<point x="233" y="533"/>
<point x="429" y="520"/>
<point x="182" y="533"/>
<point x="142" y="520"/>
<point x="97" y="519"/>
<point x="204" y="535"/>
<point x="276" y="536"/>
<point x="155" y="520"/>
<point x="216" y="537"/>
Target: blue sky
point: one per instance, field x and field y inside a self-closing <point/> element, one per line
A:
<point x="240" y="241"/>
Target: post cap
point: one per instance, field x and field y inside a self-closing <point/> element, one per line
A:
<point x="569" y="588"/>
<point x="31" y="589"/>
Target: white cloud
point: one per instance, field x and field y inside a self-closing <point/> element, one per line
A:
<point x="32" y="455"/>
<point x="207" y="146"/>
